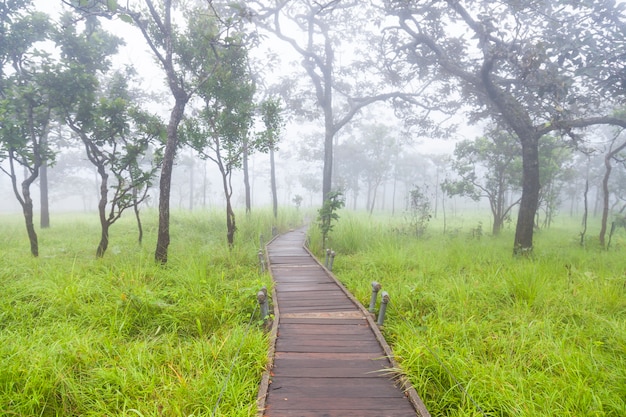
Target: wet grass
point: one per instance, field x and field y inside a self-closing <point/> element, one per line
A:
<point x="124" y="336"/>
<point x="482" y="333"/>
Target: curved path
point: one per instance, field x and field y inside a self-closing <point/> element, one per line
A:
<point x="329" y="359"/>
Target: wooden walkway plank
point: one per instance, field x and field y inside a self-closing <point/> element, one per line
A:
<point x="328" y="359"/>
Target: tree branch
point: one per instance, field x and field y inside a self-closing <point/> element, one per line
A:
<point x="566" y="125"/>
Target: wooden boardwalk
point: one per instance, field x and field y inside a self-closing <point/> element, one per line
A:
<point x="329" y="359"/>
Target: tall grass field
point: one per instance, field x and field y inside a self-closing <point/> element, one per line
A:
<point x="480" y="332"/>
<point x="122" y="336"/>
<point x="477" y="331"/>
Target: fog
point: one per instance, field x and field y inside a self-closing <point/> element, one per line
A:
<point x="196" y="183"/>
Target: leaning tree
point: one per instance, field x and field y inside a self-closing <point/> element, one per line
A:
<point x="535" y="67"/>
<point x="27" y="81"/>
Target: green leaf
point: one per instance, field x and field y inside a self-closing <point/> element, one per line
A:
<point x="112" y="5"/>
<point x="126" y="18"/>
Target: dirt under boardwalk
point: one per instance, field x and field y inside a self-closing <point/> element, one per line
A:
<point x="328" y="361"/>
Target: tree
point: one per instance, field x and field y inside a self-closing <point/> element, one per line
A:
<point x="419" y="213"/>
<point x="44" y="201"/>
<point x="328" y="214"/>
<point x="366" y="155"/>
<point x="221" y="129"/>
<point x="488" y="167"/>
<point x="271" y="115"/>
<point x="115" y="133"/>
<point x="116" y="136"/>
<point x="26" y="103"/>
<point x="615" y="148"/>
<point x="180" y="56"/>
<point x="379" y="145"/>
<point x="350" y="161"/>
<point x="341" y="89"/>
<point x="184" y="50"/>
<point x="535" y="67"/>
<point x="555" y="169"/>
<point x="246" y="176"/>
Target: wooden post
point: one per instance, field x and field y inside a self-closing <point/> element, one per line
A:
<point x="383" y="307"/>
<point x="375" y="288"/>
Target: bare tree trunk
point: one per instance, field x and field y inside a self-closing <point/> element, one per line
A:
<point x="273" y="183"/>
<point x="393" y="195"/>
<point x="605" y="190"/>
<point x="605" y="198"/>
<point x="585" y="209"/>
<point x="102" y="205"/>
<point x="443" y="210"/>
<point x="137" y="216"/>
<point x="246" y="176"/>
<point x="191" y="184"/>
<point x="27" y="208"/>
<point x="375" y="192"/>
<point x="104" y="240"/>
<point x="26" y="202"/>
<point x="231" y="226"/>
<point x="204" y="185"/>
<point x="498" y="221"/>
<point x="44" y="215"/>
<point x="163" y="234"/>
<point x="436" y="193"/>
<point x="530" y="197"/>
<point x="328" y="161"/>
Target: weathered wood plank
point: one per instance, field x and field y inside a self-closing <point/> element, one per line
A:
<point x="321" y="386"/>
<point x="336" y="372"/>
<point x="318" y="302"/>
<point x="326" y="356"/>
<point x="304" y="286"/>
<point x="302" y="307"/>
<point x="324" y="321"/>
<point x="298" y="388"/>
<point x="338" y="413"/>
<point x="309" y="295"/>
<point x="323" y="329"/>
<point x="344" y="338"/>
<point x="312" y="368"/>
<point x="282" y="259"/>
<point x="304" y="361"/>
<point x="328" y="347"/>
<point x="335" y="402"/>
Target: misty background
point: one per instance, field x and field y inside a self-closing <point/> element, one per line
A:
<point x="377" y="162"/>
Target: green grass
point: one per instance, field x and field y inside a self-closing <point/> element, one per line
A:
<point x="124" y="336"/>
<point x="544" y="336"/>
